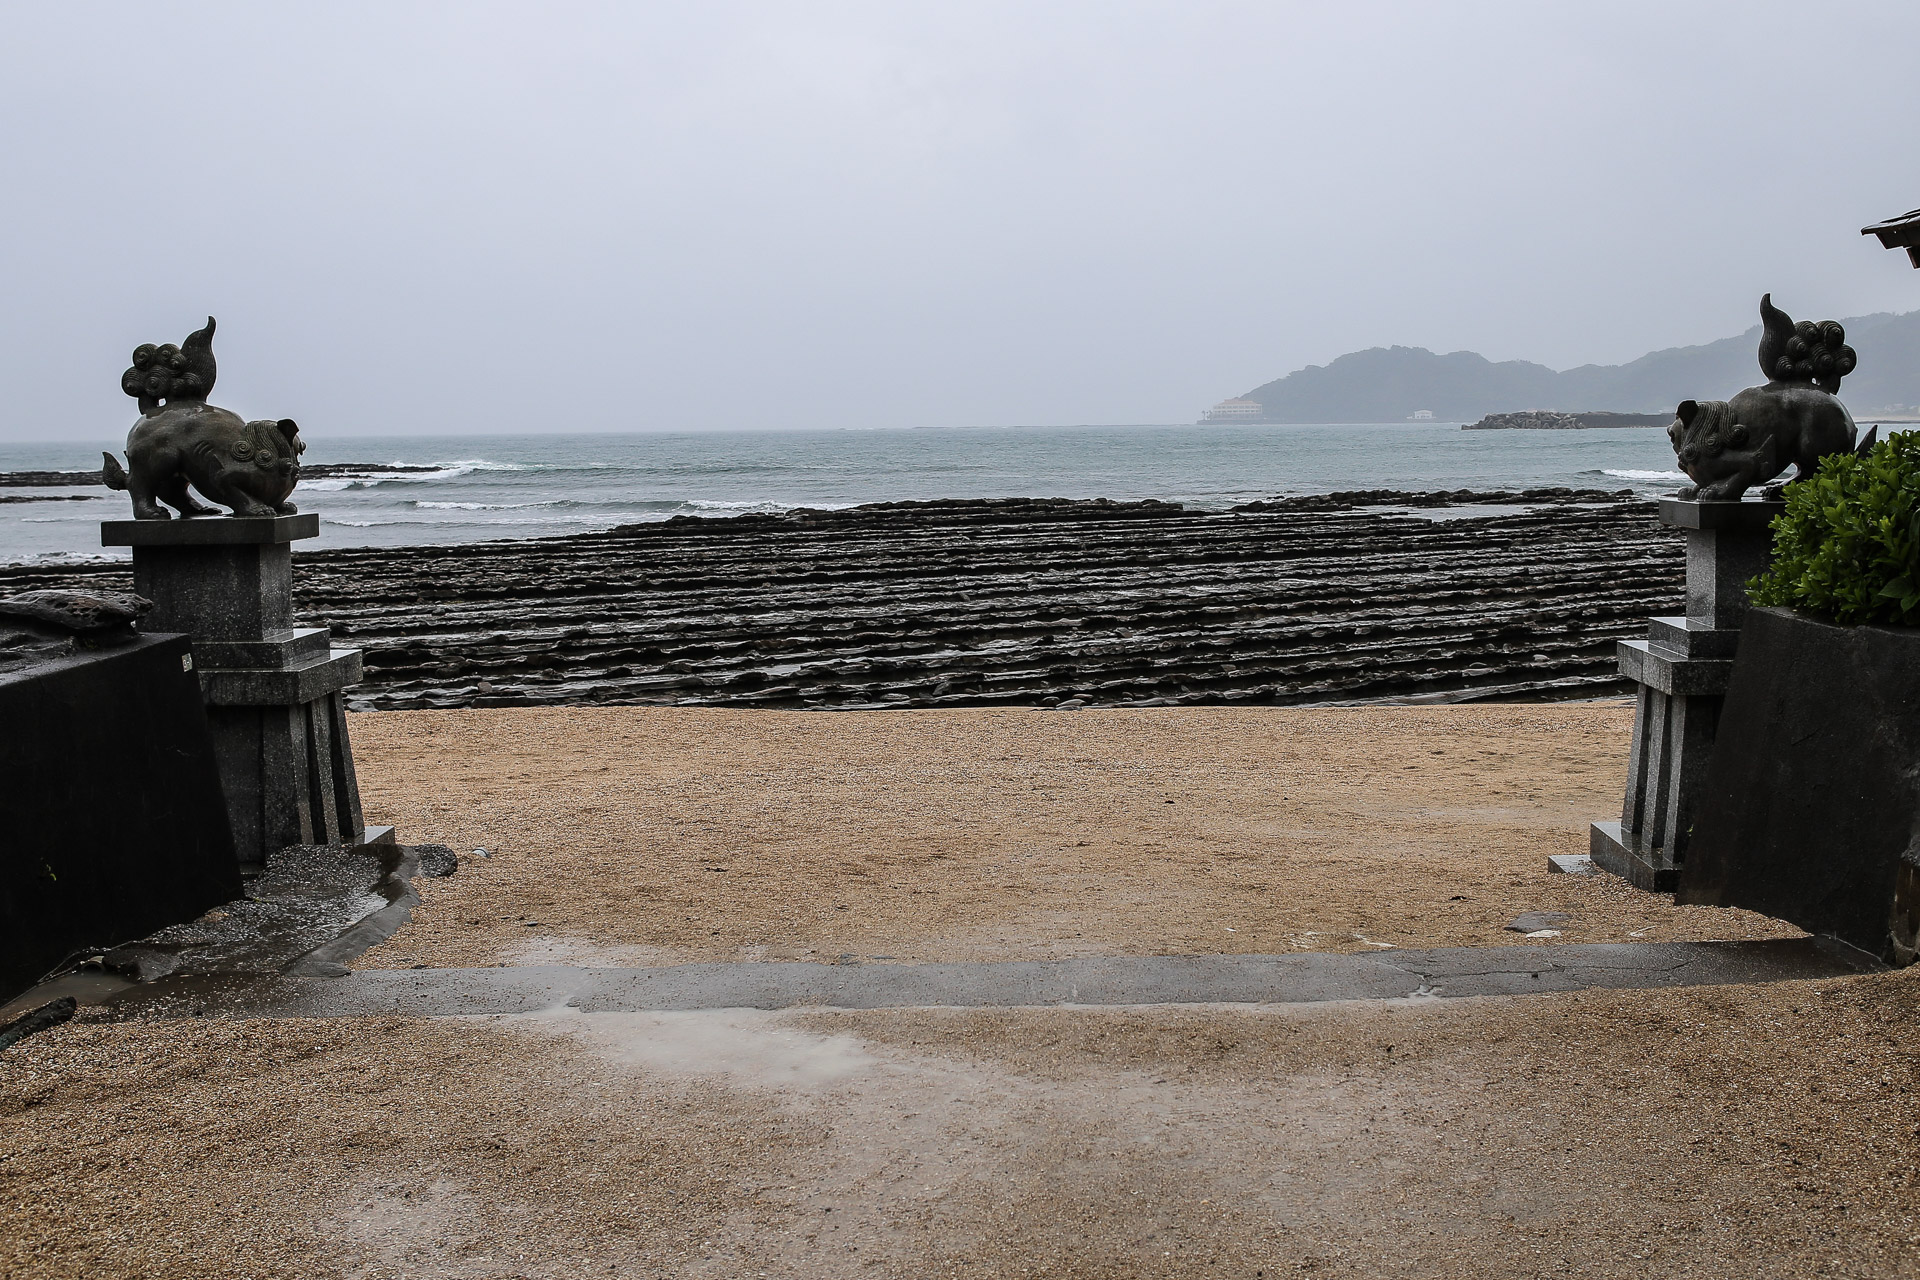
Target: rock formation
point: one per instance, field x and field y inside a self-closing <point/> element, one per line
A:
<point x="1018" y="601"/>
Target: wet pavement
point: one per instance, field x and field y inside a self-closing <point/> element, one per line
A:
<point x="1442" y="973"/>
<point x="283" y="951"/>
<point x="311" y="909"/>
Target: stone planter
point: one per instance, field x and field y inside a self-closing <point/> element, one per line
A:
<point x="1810" y="808"/>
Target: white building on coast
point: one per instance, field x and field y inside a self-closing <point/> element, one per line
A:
<point x="1235" y="411"/>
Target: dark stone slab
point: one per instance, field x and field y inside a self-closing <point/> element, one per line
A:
<point x="1811" y="802"/>
<point x="309" y="679"/>
<point x="1749" y="515"/>
<point x="1642" y="662"/>
<point x="274" y="649"/>
<point x="111" y="803"/>
<point x="1629" y="855"/>
<point x="204" y="531"/>
<point x="238" y="593"/>
<point x="1690" y="639"/>
<point x="1533" y="921"/>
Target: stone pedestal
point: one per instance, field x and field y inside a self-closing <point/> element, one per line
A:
<point x="271" y="688"/>
<point x="1682" y="668"/>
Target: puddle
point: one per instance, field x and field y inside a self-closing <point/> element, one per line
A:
<point x="88" y="987"/>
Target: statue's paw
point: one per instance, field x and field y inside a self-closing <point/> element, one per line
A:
<point x="287" y="509"/>
<point x="1687" y="492"/>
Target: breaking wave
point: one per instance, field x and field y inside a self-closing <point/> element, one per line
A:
<point x="1627" y="474"/>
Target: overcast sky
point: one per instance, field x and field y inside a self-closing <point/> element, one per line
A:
<point x="539" y="216"/>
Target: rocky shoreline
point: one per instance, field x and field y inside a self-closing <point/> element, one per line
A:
<point x="309" y="471"/>
<point x="1556" y="420"/>
<point x="48" y="479"/>
<point x="1329" y="598"/>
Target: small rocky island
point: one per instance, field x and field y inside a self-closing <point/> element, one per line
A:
<point x="1560" y="420"/>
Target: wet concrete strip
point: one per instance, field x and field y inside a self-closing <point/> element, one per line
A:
<point x="1131" y="980"/>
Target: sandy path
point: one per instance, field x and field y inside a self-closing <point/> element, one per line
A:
<point x="1743" y="1131"/>
<point x="642" y="835"/>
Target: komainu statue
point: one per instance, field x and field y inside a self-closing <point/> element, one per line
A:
<point x="1728" y="446"/>
<point x="180" y="439"/>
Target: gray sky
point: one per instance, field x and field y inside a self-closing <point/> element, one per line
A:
<point x="510" y="217"/>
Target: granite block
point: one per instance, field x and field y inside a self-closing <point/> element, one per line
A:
<point x="1671" y="674"/>
<point x="1810" y="807"/>
<point x="305" y="681"/>
<point x="115" y="821"/>
<point x="204" y="531"/>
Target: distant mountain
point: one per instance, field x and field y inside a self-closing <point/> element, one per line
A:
<point x="1390" y="384"/>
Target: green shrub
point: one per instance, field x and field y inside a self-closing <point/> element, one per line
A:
<point x="1848" y="544"/>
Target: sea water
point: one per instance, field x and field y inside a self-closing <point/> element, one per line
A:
<point x="529" y="486"/>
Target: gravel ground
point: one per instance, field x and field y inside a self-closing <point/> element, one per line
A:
<point x="643" y="835"/>
<point x="1733" y="1131"/>
<point x="1739" y="1131"/>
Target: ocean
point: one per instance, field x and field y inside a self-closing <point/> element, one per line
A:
<point x="531" y="486"/>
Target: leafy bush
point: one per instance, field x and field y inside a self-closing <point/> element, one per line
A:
<point x="1848" y="544"/>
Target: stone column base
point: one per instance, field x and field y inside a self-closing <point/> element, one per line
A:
<point x="1682" y="668"/>
<point x="272" y="688"/>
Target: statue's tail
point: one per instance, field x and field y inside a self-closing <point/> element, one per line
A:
<point x="1776" y="330"/>
<point x="1811" y="352"/>
<point x="113" y="473"/>
<point x="1867" y="441"/>
<point x="201" y="369"/>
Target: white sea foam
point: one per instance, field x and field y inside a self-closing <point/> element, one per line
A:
<point x="444" y="471"/>
<point x="542" y="521"/>
<point x="702" y="506"/>
<point x="1675" y="476"/>
<point x="750" y="508"/>
<point x="424" y="505"/>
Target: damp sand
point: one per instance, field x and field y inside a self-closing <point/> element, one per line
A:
<point x="649" y="835"/>
<point x="1734" y="1131"/>
<point x="1729" y="1131"/>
